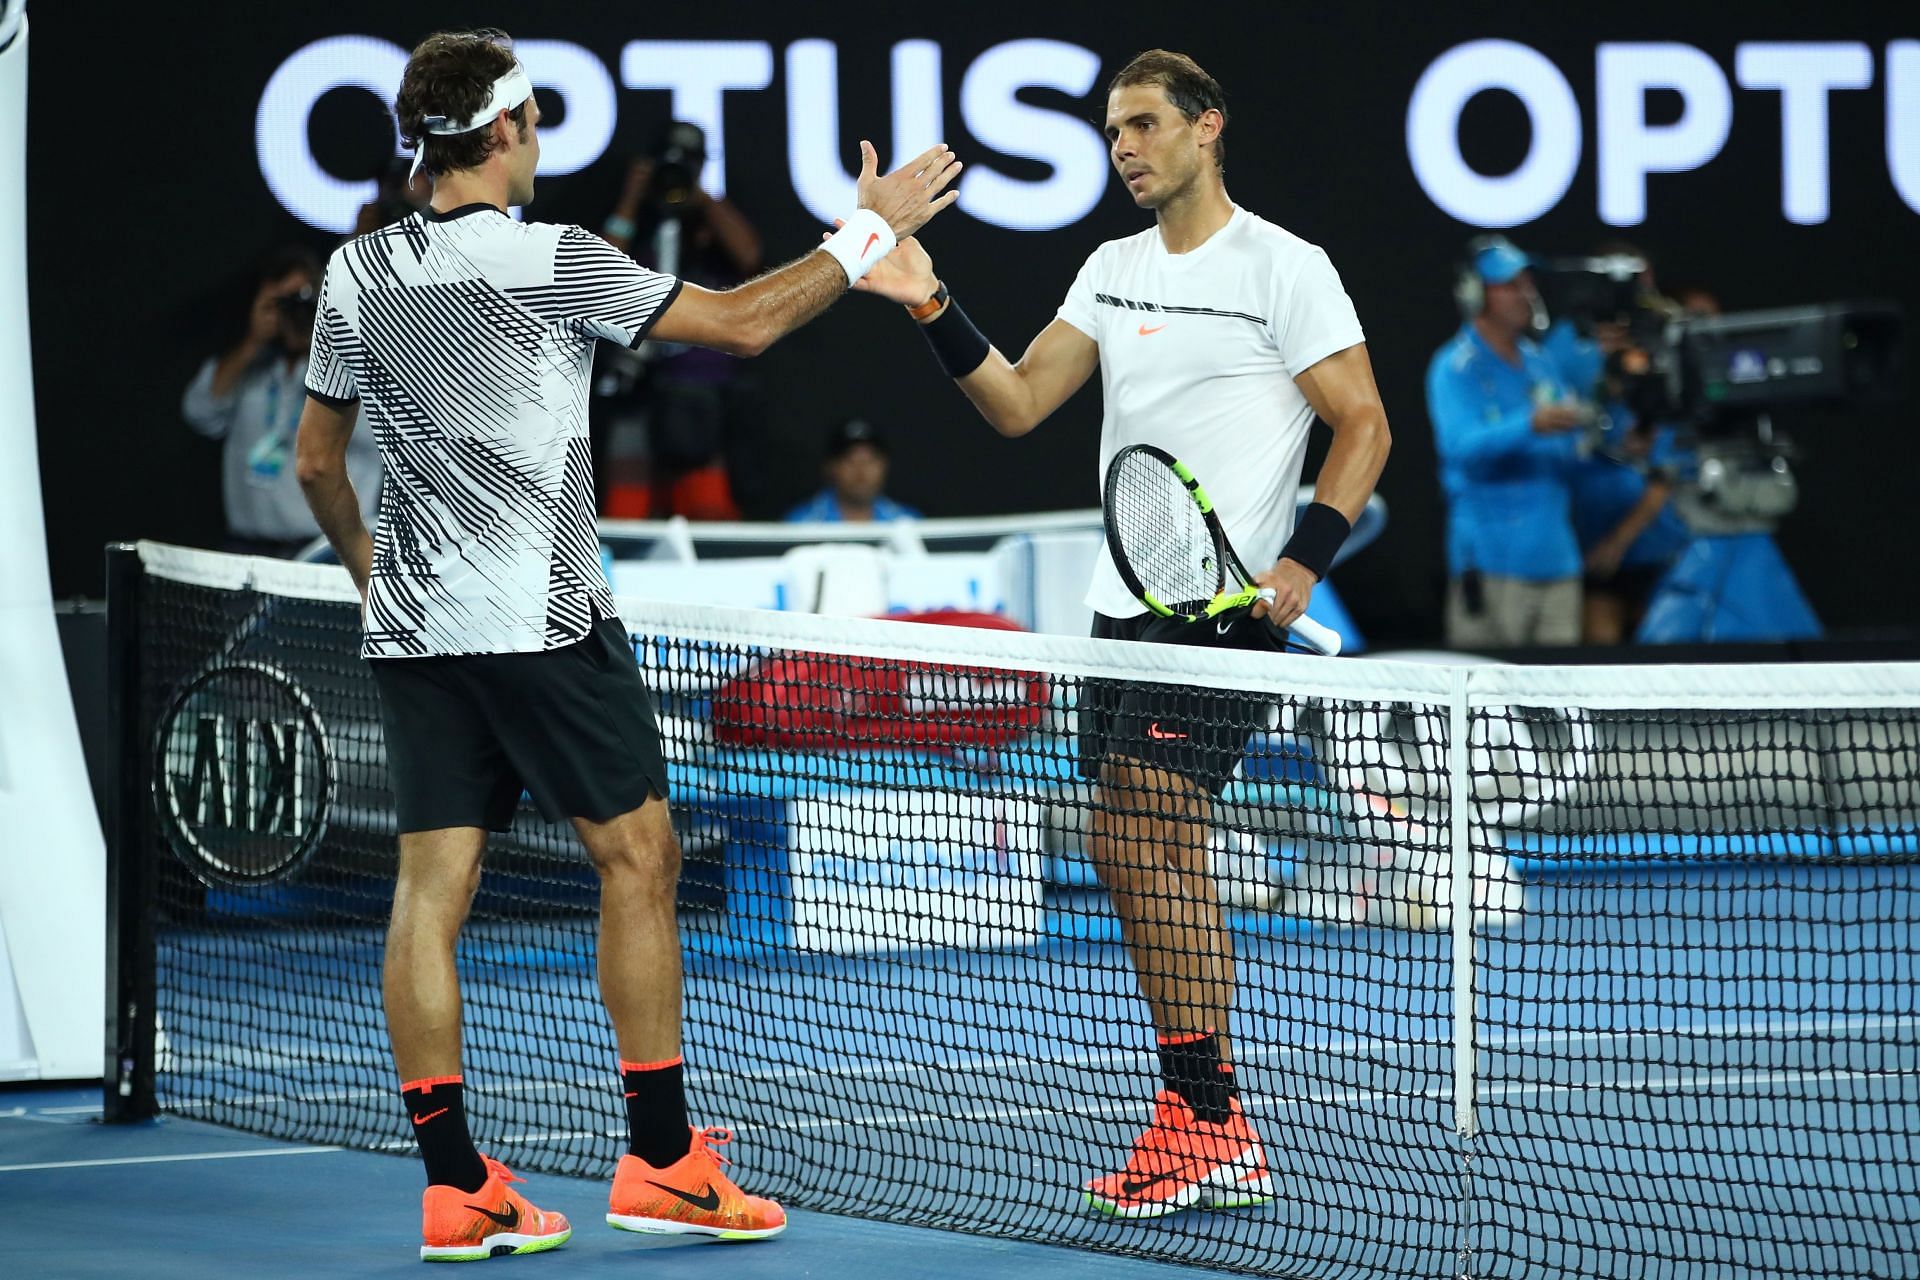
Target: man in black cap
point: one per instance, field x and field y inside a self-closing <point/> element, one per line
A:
<point x="855" y="472"/>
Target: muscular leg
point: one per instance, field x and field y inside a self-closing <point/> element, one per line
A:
<point x="439" y="871"/>
<point x="639" y="954"/>
<point x="1150" y="849"/>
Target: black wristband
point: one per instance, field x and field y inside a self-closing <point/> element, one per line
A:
<point x="1316" y="539"/>
<point x="957" y="345"/>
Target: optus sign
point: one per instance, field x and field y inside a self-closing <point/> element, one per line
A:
<point x="1793" y="81"/>
<point x="699" y="75"/>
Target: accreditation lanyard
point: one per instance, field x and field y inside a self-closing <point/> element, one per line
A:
<point x="267" y="459"/>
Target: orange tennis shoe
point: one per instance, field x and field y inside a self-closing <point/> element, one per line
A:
<point x="691" y="1196"/>
<point x="1180" y="1161"/>
<point x="467" y="1226"/>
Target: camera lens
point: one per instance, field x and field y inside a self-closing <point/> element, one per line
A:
<point x="301" y="302"/>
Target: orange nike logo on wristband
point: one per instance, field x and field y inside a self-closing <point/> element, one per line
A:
<point x="871" y="237"/>
<point x="1155" y="731"/>
<point x="1144" y="331"/>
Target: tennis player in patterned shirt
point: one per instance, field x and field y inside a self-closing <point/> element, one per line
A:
<point x="467" y="339"/>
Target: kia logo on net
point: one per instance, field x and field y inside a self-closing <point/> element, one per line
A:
<point x="244" y="774"/>
<point x="699" y="75"/>
<point x="1793" y="82"/>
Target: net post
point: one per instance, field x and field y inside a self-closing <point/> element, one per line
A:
<point x="128" y="1085"/>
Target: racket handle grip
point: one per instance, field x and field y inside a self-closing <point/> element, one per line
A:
<point x="1308" y="632"/>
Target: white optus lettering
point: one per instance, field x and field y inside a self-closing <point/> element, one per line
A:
<point x="296" y="179"/>
<point x="1433" y="133"/>
<point x="1903" y="119"/>
<point x="1804" y="74"/>
<point x="823" y="184"/>
<point x="1630" y="148"/>
<point x="582" y="82"/>
<point x="699" y="73"/>
<point x="1072" y="147"/>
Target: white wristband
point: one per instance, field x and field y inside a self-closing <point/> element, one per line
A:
<point x="863" y="241"/>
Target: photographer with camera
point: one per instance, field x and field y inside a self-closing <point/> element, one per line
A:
<point x="1607" y="314"/>
<point x="250" y="399"/>
<point x="1506" y="428"/>
<point x="683" y="424"/>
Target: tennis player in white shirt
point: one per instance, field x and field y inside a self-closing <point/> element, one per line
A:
<point x="1219" y="337"/>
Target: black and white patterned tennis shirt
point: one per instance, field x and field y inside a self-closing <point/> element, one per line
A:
<point x="468" y="339"/>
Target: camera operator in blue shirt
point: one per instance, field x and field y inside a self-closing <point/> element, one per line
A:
<point x="1506" y="428"/>
<point x="1627" y="529"/>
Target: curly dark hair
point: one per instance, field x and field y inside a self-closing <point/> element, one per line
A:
<point x="451" y="74"/>
<point x="1189" y="88"/>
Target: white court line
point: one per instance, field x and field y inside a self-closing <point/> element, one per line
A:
<point x="195" y="1155"/>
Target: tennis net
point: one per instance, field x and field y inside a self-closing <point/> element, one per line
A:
<point x="1678" y="1033"/>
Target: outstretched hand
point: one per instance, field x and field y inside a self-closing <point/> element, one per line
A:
<point x="909" y="196"/>
<point x="904" y="276"/>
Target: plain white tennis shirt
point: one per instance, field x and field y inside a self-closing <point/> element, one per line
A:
<point x="1198" y="353"/>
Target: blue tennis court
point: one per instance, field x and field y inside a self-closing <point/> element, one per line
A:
<point x="1672" y="1095"/>
<point x="192" y="1199"/>
<point x="1677" y="1035"/>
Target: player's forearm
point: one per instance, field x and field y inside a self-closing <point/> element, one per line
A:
<point x="998" y="387"/>
<point x="1354" y="462"/>
<point x="1001" y="394"/>
<point x="768" y="308"/>
<point x="336" y="509"/>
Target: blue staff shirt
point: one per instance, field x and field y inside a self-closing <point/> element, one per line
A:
<point x="1604" y="490"/>
<point x="1509" y="507"/>
<point x="824" y="506"/>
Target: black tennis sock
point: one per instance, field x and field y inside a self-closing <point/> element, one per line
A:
<point x="656" y="1110"/>
<point x="1190" y="1065"/>
<point x="438" y="1107"/>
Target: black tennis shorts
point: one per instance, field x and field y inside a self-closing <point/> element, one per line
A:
<point x="1196" y="733"/>
<point x="574" y="726"/>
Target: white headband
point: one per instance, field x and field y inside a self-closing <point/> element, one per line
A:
<point x="509" y="91"/>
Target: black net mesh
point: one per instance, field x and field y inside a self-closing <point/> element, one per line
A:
<point x="1701" y="1032"/>
<point x="1695" y="1035"/>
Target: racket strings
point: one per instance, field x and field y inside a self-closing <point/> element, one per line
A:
<point x="1162" y="534"/>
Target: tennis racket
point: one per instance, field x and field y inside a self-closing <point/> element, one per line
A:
<point x="1170" y="548"/>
